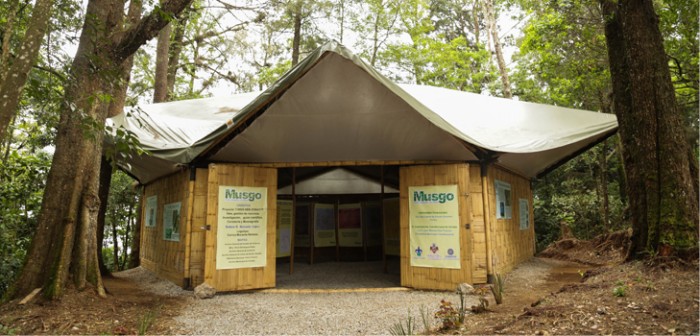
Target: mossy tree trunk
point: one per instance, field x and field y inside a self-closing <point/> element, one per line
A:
<point x="65" y="243"/>
<point x="662" y="198"/>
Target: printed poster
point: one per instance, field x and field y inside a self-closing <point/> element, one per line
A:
<point x="324" y="225"/>
<point x="350" y="225"/>
<point x="241" y="238"/>
<point x="171" y="221"/>
<point x="284" y="228"/>
<point x="434" y="226"/>
<point x="151" y="210"/>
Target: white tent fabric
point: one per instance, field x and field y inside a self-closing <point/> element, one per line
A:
<point x="335" y="107"/>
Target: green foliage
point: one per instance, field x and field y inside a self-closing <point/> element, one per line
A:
<point x="450" y="317"/>
<point x="434" y="57"/>
<point x="620" y="289"/>
<point x="22" y="176"/>
<point x="572" y="196"/>
<point x="146" y="321"/>
<point x="120" y="219"/>
<point x="403" y="327"/>
<point x="425" y="318"/>
<point x="7" y="330"/>
<point x="498" y="288"/>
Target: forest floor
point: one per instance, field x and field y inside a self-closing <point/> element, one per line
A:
<point x="548" y="295"/>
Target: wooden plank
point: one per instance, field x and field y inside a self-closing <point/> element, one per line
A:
<point x="243" y="278"/>
<point x="166" y="258"/>
<point x="510" y="244"/>
<point x="428" y="277"/>
<point x="348" y="163"/>
<point x="198" y="232"/>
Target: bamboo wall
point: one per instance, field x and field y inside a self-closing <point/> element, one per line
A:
<point x="478" y="230"/>
<point x="163" y="257"/>
<point x="198" y="232"/>
<point x="241" y="278"/>
<point x="429" y="277"/>
<point x="509" y="244"/>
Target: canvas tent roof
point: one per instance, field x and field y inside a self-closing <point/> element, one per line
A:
<point x="334" y="107"/>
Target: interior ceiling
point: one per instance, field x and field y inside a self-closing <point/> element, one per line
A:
<point x="373" y="173"/>
<point x="338" y="112"/>
<point x="338" y="180"/>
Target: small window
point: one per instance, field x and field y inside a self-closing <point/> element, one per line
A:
<point x="503" y="200"/>
<point x="524" y="211"/>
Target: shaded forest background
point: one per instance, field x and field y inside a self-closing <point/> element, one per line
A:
<point x="549" y="52"/>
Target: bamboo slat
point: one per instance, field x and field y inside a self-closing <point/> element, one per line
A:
<point x="198" y="232"/>
<point x="428" y="277"/>
<point x="163" y="257"/>
<point x="510" y="244"/>
<point x="242" y="278"/>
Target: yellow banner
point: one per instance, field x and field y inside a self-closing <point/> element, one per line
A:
<point x="241" y="237"/>
<point x="284" y="228"/>
<point x="434" y="226"/>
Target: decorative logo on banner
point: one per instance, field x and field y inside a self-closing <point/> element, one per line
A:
<point x="241" y="236"/>
<point x="434" y="222"/>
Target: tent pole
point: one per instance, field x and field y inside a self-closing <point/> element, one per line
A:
<point x="294" y="220"/>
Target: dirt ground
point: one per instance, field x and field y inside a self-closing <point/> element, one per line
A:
<point x="595" y="295"/>
<point x="127" y="310"/>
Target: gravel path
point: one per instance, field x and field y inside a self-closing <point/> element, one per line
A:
<point x="288" y="312"/>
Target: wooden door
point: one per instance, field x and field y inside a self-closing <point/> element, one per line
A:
<point x="414" y="271"/>
<point x="241" y="214"/>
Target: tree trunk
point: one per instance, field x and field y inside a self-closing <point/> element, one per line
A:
<point x="296" y="40"/>
<point x="116" y="106"/>
<point x="127" y="232"/>
<point x="160" y="90"/>
<point x="12" y="82"/>
<point x="174" y="55"/>
<point x="70" y="203"/>
<point x="663" y="202"/>
<point x="105" y="183"/>
<point x="477" y="32"/>
<point x="497" y="47"/>
<point x="115" y="243"/>
<point x="134" y="260"/>
<point x="605" y="195"/>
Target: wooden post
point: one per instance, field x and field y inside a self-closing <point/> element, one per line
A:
<point x="294" y="220"/>
<point x="310" y="223"/>
<point x="365" y="233"/>
<point x="188" y="227"/>
<point x="487" y="219"/>
<point x="337" y="230"/>
<point x="381" y="205"/>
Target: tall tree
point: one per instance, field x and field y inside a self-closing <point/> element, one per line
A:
<point x="492" y="20"/>
<point x="64" y="245"/>
<point x="663" y="200"/>
<point x="14" y="69"/>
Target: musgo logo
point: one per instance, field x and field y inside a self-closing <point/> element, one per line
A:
<point x="233" y="195"/>
<point x="422" y="197"/>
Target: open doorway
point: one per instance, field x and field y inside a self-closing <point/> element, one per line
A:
<point x="338" y="227"/>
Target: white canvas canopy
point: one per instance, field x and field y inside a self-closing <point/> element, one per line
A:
<point x="334" y="107"/>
